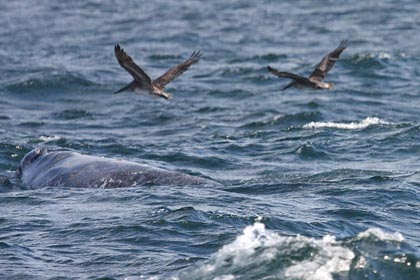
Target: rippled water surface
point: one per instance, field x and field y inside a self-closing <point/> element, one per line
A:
<point x="313" y="184"/>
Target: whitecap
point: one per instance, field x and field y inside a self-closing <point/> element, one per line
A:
<point x="49" y="138"/>
<point x="257" y="249"/>
<point x="380" y="55"/>
<point x="381" y="235"/>
<point x="352" y="125"/>
<point x="384" y="55"/>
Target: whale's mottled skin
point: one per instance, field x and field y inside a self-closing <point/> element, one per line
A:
<point x="43" y="168"/>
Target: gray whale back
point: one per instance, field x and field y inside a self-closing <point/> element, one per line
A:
<point x="41" y="168"/>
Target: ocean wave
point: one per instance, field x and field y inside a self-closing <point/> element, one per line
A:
<point x="366" y="64"/>
<point x="44" y="138"/>
<point x="309" y="151"/>
<point x="164" y="57"/>
<point x="380" y="235"/>
<point x="49" y="81"/>
<point x="266" y="57"/>
<point x="72" y="114"/>
<point x="352" y="125"/>
<point x="369" y="56"/>
<point x="370" y="60"/>
<point x="259" y="253"/>
<point x="289" y="120"/>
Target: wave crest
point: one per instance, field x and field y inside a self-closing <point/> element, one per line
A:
<point x="51" y="81"/>
<point x="380" y="235"/>
<point x="290" y="257"/>
<point x="259" y="253"/>
<point x="352" y="125"/>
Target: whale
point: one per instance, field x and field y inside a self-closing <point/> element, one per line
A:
<point x="42" y="167"/>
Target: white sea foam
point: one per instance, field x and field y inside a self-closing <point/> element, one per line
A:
<point x="330" y="258"/>
<point x="352" y="125"/>
<point x="384" y="55"/>
<point x="381" y="235"/>
<point x="49" y="138"/>
<point x="259" y="252"/>
<point x="380" y="55"/>
<point x="258" y="249"/>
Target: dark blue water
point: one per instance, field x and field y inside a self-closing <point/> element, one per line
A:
<point x="313" y="184"/>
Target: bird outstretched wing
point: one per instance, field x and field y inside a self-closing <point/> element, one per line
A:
<point x="177" y="71"/>
<point x="297" y="78"/>
<point x="131" y="67"/>
<point x="328" y="62"/>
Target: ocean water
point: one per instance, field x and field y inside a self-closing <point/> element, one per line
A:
<point x="312" y="184"/>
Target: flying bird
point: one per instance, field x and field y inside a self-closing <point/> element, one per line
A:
<point x="315" y="80"/>
<point x="142" y="81"/>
